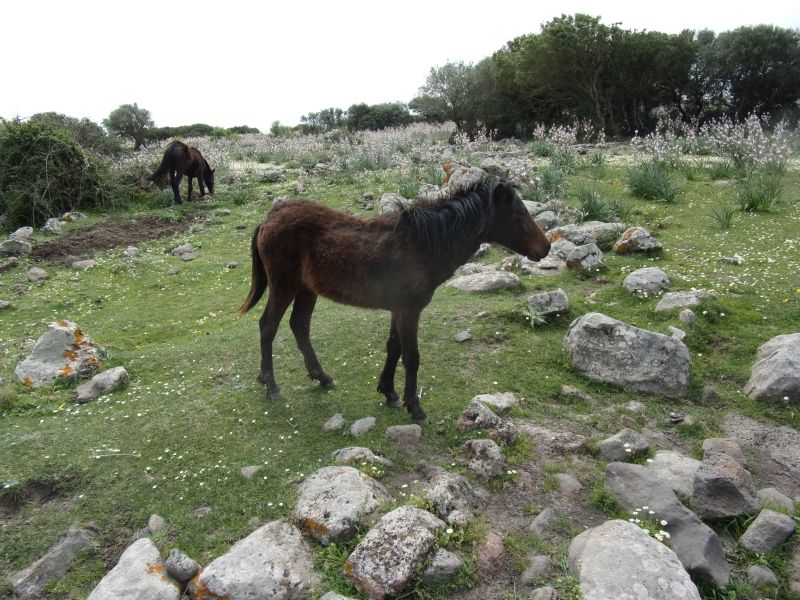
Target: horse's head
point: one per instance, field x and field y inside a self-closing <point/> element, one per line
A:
<point x="513" y="227"/>
<point x="208" y="177"/>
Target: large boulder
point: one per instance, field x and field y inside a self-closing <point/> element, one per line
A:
<point x="767" y="531"/>
<point x="273" y="562"/>
<point x="607" y="350"/>
<point x="140" y="573"/>
<point x="676" y="470"/>
<point x="15" y="248"/>
<point x="64" y="353"/>
<point x="623" y="446"/>
<point x="696" y="545"/>
<point x="384" y="563"/>
<point x="648" y="280"/>
<point x="621" y="561"/>
<point x="776" y="372"/>
<point x="723" y="488"/>
<point x="334" y="501"/>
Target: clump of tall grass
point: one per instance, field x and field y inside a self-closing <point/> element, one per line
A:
<point x="597" y="165"/>
<point x="595" y="207"/>
<point x="722" y="215"/>
<point x="564" y="160"/>
<point x="759" y="192"/>
<point x="721" y="169"/>
<point x="652" y="181"/>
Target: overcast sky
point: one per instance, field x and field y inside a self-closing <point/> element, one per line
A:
<point x="231" y="62"/>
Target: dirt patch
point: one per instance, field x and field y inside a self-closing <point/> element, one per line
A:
<point x="109" y="234"/>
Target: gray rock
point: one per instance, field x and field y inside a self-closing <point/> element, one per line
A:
<point x="678" y="334"/>
<point x="673" y="300"/>
<point x="334" y="596"/>
<point x="443" y="568"/>
<point x="272" y="176"/>
<point x="232" y="265"/>
<point x="200" y="512"/>
<point x="538" y="566"/>
<point x="637" y="239"/>
<point x="649" y="280"/>
<point x="501" y="402"/>
<point x="29" y="583"/>
<point x="15" y="248"/>
<point x="491" y="166"/>
<point x="586" y="258"/>
<point x="607" y="350"/>
<point x="130" y="252"/>
<point x="36" y="275"/>
<point x="561" y="248"/>
<point x="793" y="571"/>
<point x="23" y="234"/>
<point x="391" y="203"/>
<point x="404" y="434"/>
<point x="140" y="573"/>
<point x="623" y="446"/>
<point x="189" y="256"/>
<point x="544" y="593"/>
<point x="155" y="523"/>
<point x="577" y="234"/>
<point x="687" y="318"/>
<point x="4" y="304"/>
<point x="774" y="499"/>
<point x="182" y="249"/>
<point x="335" y="423"/>
<point x="383" y="564"/>
<point x="696" y="545"/>
<point x="776" y="372"/>
<point x="64" y="352"/>
<point x="490" y="554"/>
<point x="173" y="271"/>
<point x="547" y="220"/>
<point x="723" y="488"/>
<point x="761" y="576"/>
<point x="20" y="288"/>
<point x="767" y="531"/>
<point x="462" y="336"/>
<point x="534" y="208"/>
<point x="543" y="522"/>
<point x="82" y="265"/>
<point x="249" y="471"/>
<point x="472" y="268"/>
<point x="488" y="460"/>
<point x="362" y="426"/>
<point x="357" y="454"/>
<point x="621" y="561"/>
<point x="272" y="562"/>
<point x="636" y="407"/>
<point x="549" y="303"/>
<point x="485" y="282"/>
<point x="727" y="446"/>
<point x="676" y="470"/>
<point x="449" y="493"/>
<point x="52" y="226"/>
<point x="180" y="567"/>
<point x="551" y="442"/>
<point x="102" y="383"/>
<point x="7" y="265"/>
<point x="334" y="501"/>
<point x="478" y="416"/>
<point x="567" y="484"/>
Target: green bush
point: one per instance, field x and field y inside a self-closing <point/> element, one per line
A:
<point x="759" y="192"/>
<point x="593" y="206"/>
<point x="45" y="173"/>
<point x="652" y="182"/>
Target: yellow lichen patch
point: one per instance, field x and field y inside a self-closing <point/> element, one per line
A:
<point x="314" y="527"/>
<point x="27" y="381"/>
<point x="553" y="235"/>
<point x="79" y="337"/>
<point x="63" y="324"/>
<point x="71" y="355"/>
<point x="66" y="371"/>
<point x="348" y="568"/>
<point x="201" y="592"/>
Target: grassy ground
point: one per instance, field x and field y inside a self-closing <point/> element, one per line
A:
<point x="193" y="416"/>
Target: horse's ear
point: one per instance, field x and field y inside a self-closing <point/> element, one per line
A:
<point x="504" y="192"/>
<point x="212" y="170"/>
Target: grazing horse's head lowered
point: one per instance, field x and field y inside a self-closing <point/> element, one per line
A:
<point x="394" y="262"/>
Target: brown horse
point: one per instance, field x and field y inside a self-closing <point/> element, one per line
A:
<point x="179" y="160"/>
<point x="394" y="261"/>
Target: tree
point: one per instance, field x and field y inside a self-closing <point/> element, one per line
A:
<point x="130" y="121"/>
<point x="446" y="96"/>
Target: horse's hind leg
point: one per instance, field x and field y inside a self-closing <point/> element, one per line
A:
<point x="408" y="328"/>
<point x="300" y="322"/>
<point x="189" y="193"/>
<point x="386" y="383"/>
<point x="277" y="304"/>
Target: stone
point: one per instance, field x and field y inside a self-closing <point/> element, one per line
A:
<point x="619" y="560"/>
<point x="272" y="562"/>
<point x="462" y="336"/>
<point x="623" y="446"/>
<point x="30" y="582"/>
<point x="130" y="252"/>
<point x="182" y="249"/>
<point x="20" y="288"/>
<point x="36" y="275"/>
<point x="793" y="571"/>
<point x="551" y="442"/>
<point x="636" y="407"/>
<point x="687" y="318"/>
<point x="392" y="203"/>
<point x="479" y="416"/>
<point x="174" y="271"/>
<point x="362" y="426"/>
<point x="82" y="265"/>
<point x="249" y="471"/>
<point x="488" y="460"/>
<point x="22" y="234"/>
<point x="272" y="176"/>
<point x="544" y="593"/>
<point x="52" y="226"/>
<point x="676" y="470"/>
<point x="567" y="484"/>
<point x="727" y="446"/>
<point x="586" y="258"/>
<point x="696" y="545"/>
<point x="774" y="499"/>
<point x="767" y="531"/>
<point x="485" y="282"/>
<point x="561" y="249"/>
<point x="736" y="259"/>
<point x="547" y="220"/>
<point x="356" y="454"/>
<point x="404" y="434"/>
<point x="443" y="568"/>
<point x="180" y="567"/>
<point x="189" y="256"/>
<point x="761" y="576"/>
<point x="648" y="280"/>
<point x="15" y="248"/>
<point x="543" y="523"/>
<point x="673" y="300"/>
<point x="335" y="423"/>
<point x="678" y="334"/>
<point x="538" y="566"/>
<point x="334" y="501"/>
<point x="723" y="488"/>
<point x="232" y="265"/>
<point x="490" y="554"/>
<point x="776" y="372"/>
<point x="637" y="239"/>
<point x="9" y="264"/>
<point x="449" y="493"/>
<point x="200" y="512"/>
<point x="4" y="304"/>
<point x="139" y="573"/>
<point x="384" y="562"/>
<point x="155" y="523"/>
<point x="500" y="402"/>
<point x="549" y="303"/>
<point x="72" y="216"/>
<point x="63" y="353"/>
<point x="534" y="208"/>
<point x="334" y="596"/>
<point x="102" y="383"/>
<point x="610" y="351"/>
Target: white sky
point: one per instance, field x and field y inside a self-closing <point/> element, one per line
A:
<point x="233" y="62"/>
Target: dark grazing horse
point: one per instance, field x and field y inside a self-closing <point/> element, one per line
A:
<point x="179" y="160"/>
<point x="394" y="261"/>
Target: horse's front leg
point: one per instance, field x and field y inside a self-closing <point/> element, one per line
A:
<point x="189" y="193"/>
<point x="175" y="182"/>
<point x="386" y="383"/>
<point x="408" y="328"/>
<point x="202" y="187"/>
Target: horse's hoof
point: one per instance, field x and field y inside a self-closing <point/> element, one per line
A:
<point x="393" y="400"/>
<point x="328" y="384"/>
<point x="274" y="394"/>
<point x="421" y="422"/>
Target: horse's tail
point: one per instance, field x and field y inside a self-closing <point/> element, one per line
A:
<point x="258" y="283"/>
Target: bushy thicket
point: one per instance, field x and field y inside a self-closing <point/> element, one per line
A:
<point x="44" y="172"/>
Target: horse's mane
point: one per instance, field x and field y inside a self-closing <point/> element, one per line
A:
<point x="443" y="224"/>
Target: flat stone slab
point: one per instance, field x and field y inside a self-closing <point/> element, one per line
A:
<point x="140" y="573"/>
<point x="486" y="282"/>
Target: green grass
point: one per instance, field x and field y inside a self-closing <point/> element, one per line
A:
<point x="652" y="181"/>
<point x="193" y="415"/>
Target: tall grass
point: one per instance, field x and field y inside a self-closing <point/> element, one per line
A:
<point x="759" y="192"/>
<point x="652" y="181"/>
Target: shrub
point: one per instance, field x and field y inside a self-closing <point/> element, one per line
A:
<point x="45" y="173"/>
<point x="651" y="181"/>
<point x="721" y="169"/>
<point x="759" y="192"/>
<point x="552" y="182"/>
<point x="593" y="206"/>
<point x="564" y="160"/>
